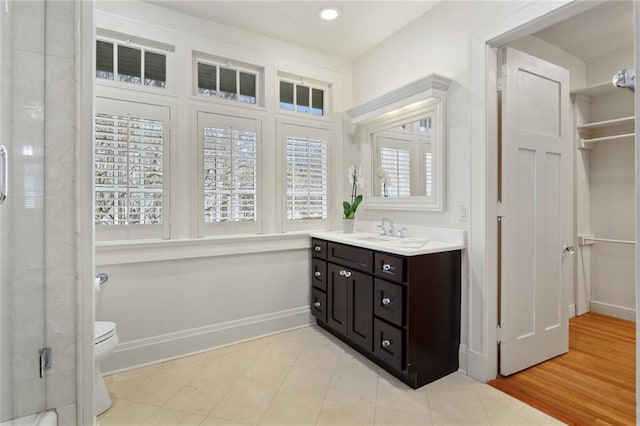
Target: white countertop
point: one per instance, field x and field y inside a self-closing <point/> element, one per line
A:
<point x="409" y="246"/>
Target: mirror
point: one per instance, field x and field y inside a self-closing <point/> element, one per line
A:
<point x="402" y="146"/>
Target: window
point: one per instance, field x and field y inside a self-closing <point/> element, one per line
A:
<point x="131" y="140"/>
<point x="306" y="179"/>
<point x="229" y="148"/>
<point x="301" y="97"/>
<point x="226" y="83"/>
<point x="130" y="64"/>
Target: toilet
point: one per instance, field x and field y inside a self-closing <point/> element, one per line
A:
<point x="105" y="342"/>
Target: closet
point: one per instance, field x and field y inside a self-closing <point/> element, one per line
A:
<point x="595" y="381"/>
<point x="604" y="129"/>
<point x="605" y="200"/>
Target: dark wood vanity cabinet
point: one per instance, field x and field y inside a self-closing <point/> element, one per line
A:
<point x="401" y="312"/>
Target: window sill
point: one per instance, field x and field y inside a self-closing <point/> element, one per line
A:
<point x="123" y="252"/>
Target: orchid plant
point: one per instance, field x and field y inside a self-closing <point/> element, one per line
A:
<point x="355" y="179"/>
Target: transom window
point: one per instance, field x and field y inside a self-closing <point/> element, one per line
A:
<point x="226" y="82"/>
<point x="302" y="97"/>
<point x="128" y="63"/>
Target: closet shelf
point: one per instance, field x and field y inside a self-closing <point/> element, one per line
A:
<point x="600" y="131"/>
<point x="597" y="90"/>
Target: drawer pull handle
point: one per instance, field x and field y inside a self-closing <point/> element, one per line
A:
<point x="316" y="305"/>
<point x="344" y="273"/>
<point x="317" y="248"/>
<point x="386" y="343"/>
<point x="317" y="274"/>
<point x="386" y="301"/>
<point x="386" y="267"/>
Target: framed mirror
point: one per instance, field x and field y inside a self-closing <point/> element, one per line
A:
<point x="403" y="143"/>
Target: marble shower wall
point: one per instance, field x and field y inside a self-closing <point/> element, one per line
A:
<point x="60" y="207"/>
<point x="38" y="220"/>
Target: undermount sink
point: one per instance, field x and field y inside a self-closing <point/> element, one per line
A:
<point x="372" y="238"/>
<point x="397" y="241"/>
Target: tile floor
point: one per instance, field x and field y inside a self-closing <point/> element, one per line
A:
<point x="302" y="377"/>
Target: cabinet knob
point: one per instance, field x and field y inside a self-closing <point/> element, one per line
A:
<point x="316" y="305"/>
<point x="386" y="267"/>
<point x="386" y="343"/>
<point x="317" y="274"/>
<point x="317" y="248"/>
<point x="386" y="301"/>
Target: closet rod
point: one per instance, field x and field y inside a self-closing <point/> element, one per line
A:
<point x="589" y="240"/>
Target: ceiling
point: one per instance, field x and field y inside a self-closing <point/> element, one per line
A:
<point x="595" y="33"/>
<point x="362" y="25"/>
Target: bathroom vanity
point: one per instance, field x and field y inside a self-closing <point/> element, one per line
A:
<point x="397" y="305"/>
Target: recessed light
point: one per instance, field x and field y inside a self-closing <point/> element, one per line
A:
<point x="330" y="13"/>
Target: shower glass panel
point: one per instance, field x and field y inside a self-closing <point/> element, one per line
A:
<point x="22" y="227"/>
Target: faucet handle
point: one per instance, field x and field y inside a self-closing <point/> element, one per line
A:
<point x="400" y="232"/>
<point x="381" y="226"/>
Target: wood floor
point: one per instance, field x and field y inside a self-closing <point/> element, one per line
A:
<point x="593" y="384"/>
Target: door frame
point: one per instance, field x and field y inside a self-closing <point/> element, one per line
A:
<point x="482" y="318"/>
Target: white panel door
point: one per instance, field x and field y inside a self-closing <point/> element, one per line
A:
<point x="536" y="192"/>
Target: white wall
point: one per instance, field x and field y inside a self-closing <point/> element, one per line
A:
<point x="437" y="42"/>
<point x="188" y="295"/>
<point x="601" y="70"/>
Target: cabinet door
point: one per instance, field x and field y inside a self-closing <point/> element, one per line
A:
<point x="360" y="310"/>
<point x="337" y="298"/>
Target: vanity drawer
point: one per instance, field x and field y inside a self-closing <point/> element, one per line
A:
<point x="318" y="248"/>
<point x="389" y="301"/>
<point x="319" y="304"/>
<point x="388" y="344"/>
<point x="390" y="267"/>
<point x="319" y="274"/>
<point x="353" y="257"/>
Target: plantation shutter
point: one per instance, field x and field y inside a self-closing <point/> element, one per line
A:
<point x="130" y="165"/>
<point x="306" y="178"/>
<point x="304" y="149"/>
<point x="397" y="163"/>
<point x="229" y="171"/>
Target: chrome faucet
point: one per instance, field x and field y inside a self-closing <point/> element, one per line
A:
<point x="383" y="227"/>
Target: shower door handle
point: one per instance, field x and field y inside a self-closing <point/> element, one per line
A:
<point x="4" y="174"/>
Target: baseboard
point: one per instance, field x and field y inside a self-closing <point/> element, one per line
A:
<point x="462" y="358"/>
<point x="572" y="310"/>
<point x="477" y="365"/>
<point x="613" y="310"/>
<point x="155" y="349"/>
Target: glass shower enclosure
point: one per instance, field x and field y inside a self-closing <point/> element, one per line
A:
<point x="23" y="338"/>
